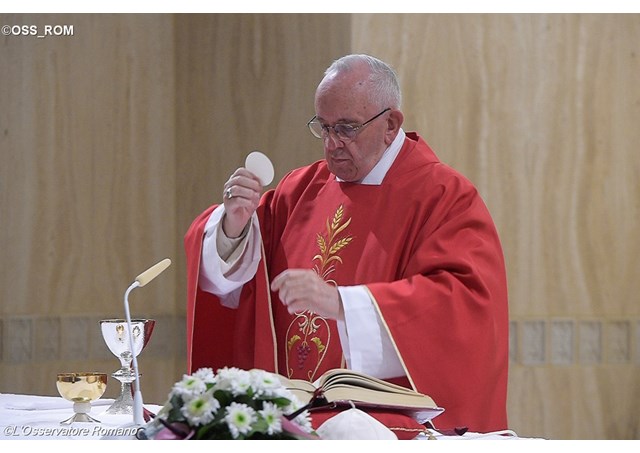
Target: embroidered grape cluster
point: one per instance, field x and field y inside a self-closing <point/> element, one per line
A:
<point x="303" y="353"/>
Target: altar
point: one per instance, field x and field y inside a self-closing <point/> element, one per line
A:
<point x="33" y="417"/>
<point x="38" y="417"/>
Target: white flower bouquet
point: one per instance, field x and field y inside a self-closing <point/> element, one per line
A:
<point x="230" y="404"/>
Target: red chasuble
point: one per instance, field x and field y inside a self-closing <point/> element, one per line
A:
<point x="426" y="248"/>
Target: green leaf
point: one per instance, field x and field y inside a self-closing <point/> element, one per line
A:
<point x="281" y="401"/>
<point x="224" y="397"/>
<point x="174" y="413"/>
<point x="246" y="399"/>
<point x="260" y="426"/>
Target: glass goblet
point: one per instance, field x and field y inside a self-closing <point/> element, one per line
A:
<point x="116" y="336"/>
<point x="81" y="389"/>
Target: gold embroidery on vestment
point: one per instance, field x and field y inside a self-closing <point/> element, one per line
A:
<point x="330" y="246"/>
<point x="306" y="323"/>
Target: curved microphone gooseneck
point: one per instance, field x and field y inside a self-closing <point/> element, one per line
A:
<point x="141" y="280"/>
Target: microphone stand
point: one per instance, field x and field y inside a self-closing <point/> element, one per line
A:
<point x="141" y="280"/>
<point x="138" y="416"/>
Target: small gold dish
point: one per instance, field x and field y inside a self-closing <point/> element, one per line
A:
<point x="81" y="389"/>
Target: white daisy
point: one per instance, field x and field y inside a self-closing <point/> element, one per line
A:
<point x="303" y="420"/>
<point x="206" y="375"/>
<point x="189" y="387"/>
<point x="271" y="414"/>
<point x="200" y="410"/>
<point x="235" y="380"/>
<point x="265" y="384"/>
<point x="225" y="376"/>
<point x="239" y="418"/>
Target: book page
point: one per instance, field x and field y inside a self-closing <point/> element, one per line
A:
<point x="302" y="389"/>
<point x="347" y="387"/>
<point x="366" y="395"/>
<point x="350" y="377"/>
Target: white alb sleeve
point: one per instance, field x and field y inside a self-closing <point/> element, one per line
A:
<point x="226" y="278"/>
<point x="365" y="342"/>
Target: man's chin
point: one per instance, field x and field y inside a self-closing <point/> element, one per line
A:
<point x="343" y="173"/>
<point x="345" y="177"/>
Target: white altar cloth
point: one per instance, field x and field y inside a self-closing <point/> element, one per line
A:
<point x="24" y="417"/>
<point x="38" y="417"/>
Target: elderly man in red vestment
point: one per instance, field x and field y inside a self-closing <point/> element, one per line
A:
<point x="378" y="258"/>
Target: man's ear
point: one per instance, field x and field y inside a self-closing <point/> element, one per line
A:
<point x="394" y="123"/>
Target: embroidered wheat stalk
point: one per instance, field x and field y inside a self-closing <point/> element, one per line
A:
<point x="330" y="247"/>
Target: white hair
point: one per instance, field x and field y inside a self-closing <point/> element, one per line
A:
<point x="385" y="88"/>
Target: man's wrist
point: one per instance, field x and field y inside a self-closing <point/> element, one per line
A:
<point x="340" y="306"/>
<point x="240" y="235"/>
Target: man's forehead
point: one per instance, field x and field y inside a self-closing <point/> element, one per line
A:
<point x="346" y="109"/>
<point x="342" y="103"/>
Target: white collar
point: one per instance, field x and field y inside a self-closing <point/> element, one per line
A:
<point x="377" y="173"/>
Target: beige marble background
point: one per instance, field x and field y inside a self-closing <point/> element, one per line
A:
<point x="113" y="138"/>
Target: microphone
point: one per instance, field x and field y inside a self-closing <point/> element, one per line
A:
<point x="141" y="280"/>
<point x="153" y="272"/>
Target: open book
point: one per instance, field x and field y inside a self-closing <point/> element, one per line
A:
<point x="343" y="387"/>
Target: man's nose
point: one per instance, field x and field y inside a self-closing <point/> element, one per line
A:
<point x="331" y="140"/>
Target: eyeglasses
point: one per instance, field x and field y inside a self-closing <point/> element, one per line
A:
<point x="345" y="132"/>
